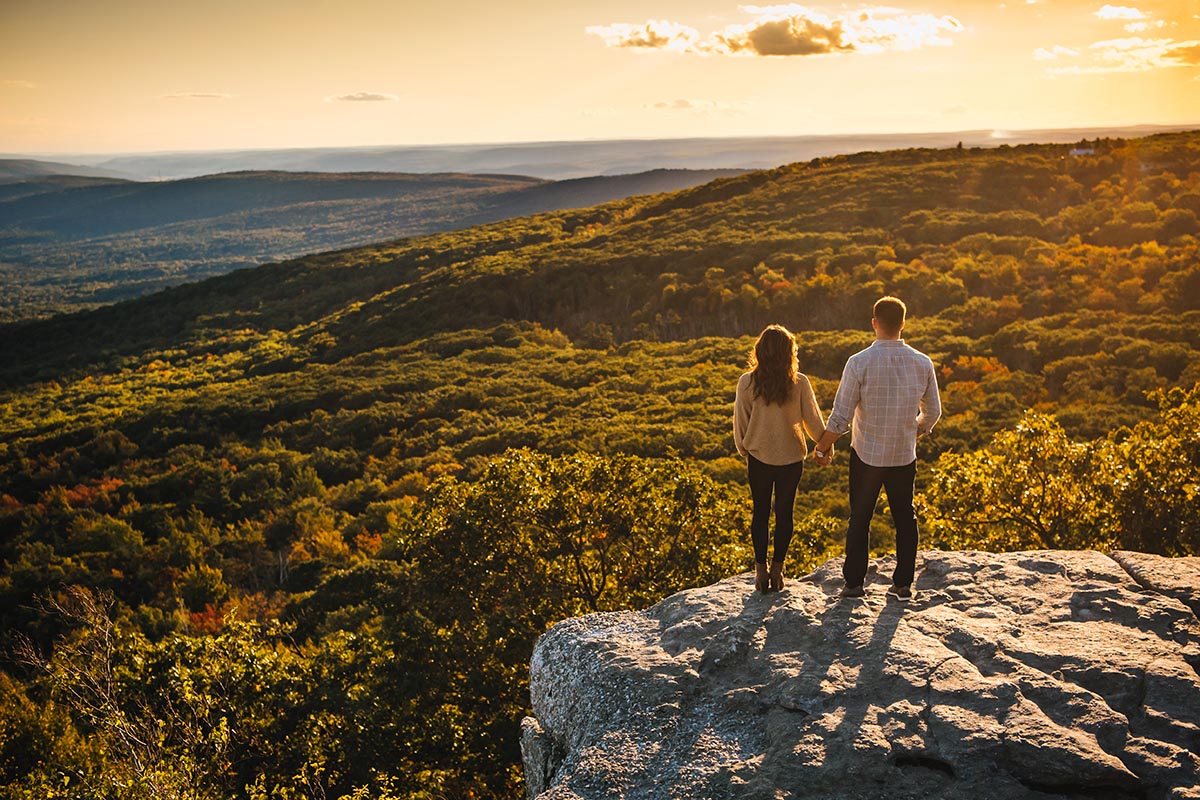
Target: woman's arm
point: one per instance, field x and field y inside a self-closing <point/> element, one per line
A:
<point x="814" y="423"/>
<point x="741" y="416"/>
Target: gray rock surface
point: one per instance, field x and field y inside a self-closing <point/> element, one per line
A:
<point x="1174" y="577"/>
<point x="1017" y="675"/>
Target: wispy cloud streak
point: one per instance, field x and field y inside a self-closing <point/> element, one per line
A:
<point x="1120" y="12"/>
<point x="1135" y="54"/>
<point x="653" y="34"/>
<point x="363" y="97"/>
<point x="683" y="104"/>
<point x="1043" y="54"/>
<point x="197" y="96"/>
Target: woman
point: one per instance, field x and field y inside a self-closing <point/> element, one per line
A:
<point x="775" y="405"/>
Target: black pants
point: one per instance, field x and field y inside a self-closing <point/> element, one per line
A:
<point x="782" y="480"/>
<point x="865" y="483"/>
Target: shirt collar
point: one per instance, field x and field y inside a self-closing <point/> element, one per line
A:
<point x="888" y="342"/>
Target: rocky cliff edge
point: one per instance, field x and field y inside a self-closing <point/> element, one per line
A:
<point x="1015" y="675"/>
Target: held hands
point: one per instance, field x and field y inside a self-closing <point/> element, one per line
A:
<point x="823" y="448"/>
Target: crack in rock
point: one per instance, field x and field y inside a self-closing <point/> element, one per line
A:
<point x="1178" y="578"/>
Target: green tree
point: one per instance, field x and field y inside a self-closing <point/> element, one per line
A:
<point x="1031" y="487"/>
<point x="537" y="538"/>
<point x="1156" y="502"/>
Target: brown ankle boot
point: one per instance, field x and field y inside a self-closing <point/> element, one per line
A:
<point x="761" y="580"/>
<point x="776" y="576"/>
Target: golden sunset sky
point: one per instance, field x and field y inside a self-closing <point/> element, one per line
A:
<point x="82" y="76"/>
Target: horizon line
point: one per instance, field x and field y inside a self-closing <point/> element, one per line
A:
<point x="993" y="131"/>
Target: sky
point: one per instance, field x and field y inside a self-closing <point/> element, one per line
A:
<point x="125" y="76"/>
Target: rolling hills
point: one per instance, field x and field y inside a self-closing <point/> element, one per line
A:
<point x="360" y="483"/>
<point x="69" y="242"/>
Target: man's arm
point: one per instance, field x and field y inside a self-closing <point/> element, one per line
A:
<point x="844" y="403"/>
<point x="931" y="404"/>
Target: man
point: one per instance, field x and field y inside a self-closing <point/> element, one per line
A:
<point x="889" y="392"/>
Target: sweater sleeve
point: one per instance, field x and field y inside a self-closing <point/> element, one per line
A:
<point x="814" y="424"/>
<point x="741" y="416"/>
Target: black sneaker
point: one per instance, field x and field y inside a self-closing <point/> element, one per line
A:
<point x="853" y="591"/>
<point x="901" y="593"/>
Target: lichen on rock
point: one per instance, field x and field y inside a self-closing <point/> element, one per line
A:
<point x="1016" y="675"/>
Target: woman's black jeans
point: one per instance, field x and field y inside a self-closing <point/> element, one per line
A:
<point x="782" y="480"/>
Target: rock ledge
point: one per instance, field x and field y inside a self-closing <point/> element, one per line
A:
<point x="1018" y="675"/>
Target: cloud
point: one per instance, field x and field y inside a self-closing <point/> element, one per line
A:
<point x="699" y="106"/>
<point x="1187" y="53"/>
<point x="954" y="111"/>
<point x="363" y="97"/>
<point x="1119" y="12"/>
<point x="18" y="84"/>
<point x="1042" y="54"/>
<point x="198" y="96"/>
<point x="784" y="31"/>
<point x="790" y="30"/>
<point x="1135" y="54"/>
<point x="655" y="34"/>
<point x="890" y="29"/>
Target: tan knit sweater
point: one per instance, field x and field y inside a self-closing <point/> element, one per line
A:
<point x="774" y="434"/>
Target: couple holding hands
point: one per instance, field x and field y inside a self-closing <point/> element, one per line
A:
<point x="887" y="398"/>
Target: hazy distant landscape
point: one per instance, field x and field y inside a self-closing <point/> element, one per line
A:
<point x="106" y="228"/>
<point x="69" y="242"/>
<point x="575" y="159"/>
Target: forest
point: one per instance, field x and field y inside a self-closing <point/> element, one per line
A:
<point x="292" y="531"/>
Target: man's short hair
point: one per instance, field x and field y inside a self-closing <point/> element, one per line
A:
<point x="889" y="312"/>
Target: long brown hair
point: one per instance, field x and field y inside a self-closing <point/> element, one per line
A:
<point x="773" y="364"/>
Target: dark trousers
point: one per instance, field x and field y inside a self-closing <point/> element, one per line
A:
<point x="766" y="479"/>
<point x="865" y="483"/>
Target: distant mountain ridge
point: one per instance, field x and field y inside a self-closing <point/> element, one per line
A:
<point x="577" y="159"/>
<point x="69" y="242"/>
<point x="111" y="208"/>
<point x="24" y="169"/>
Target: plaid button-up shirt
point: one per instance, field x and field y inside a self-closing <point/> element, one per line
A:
<point x="888" y="397"/>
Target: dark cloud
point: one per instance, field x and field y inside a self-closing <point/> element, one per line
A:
<point x="791" y="36"/>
